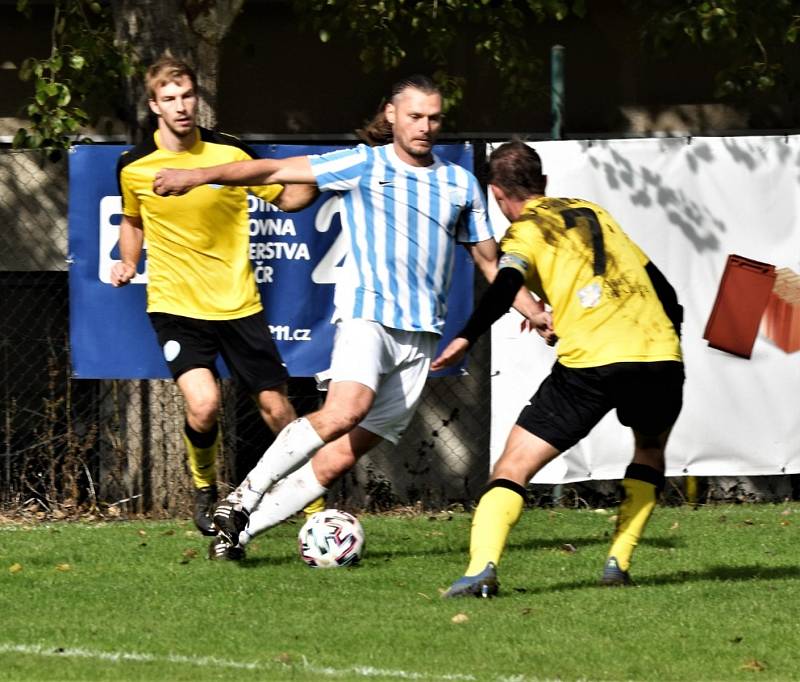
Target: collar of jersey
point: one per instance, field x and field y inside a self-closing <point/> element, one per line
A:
<point x="421" y="170"/>
<point x="164" y="150"/>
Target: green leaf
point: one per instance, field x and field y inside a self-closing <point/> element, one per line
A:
<point x="26" y="69"/>
<point x="77" y="61"/>
<point x="324" y="36"/>
<point x="20" y="139"/>
<point x="64" y="96"/>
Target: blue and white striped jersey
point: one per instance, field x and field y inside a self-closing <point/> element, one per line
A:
<point x="402" y="223"/>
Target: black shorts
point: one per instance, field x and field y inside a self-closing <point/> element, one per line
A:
<point x="245" y="344"/>
<point x="648" y="397"/>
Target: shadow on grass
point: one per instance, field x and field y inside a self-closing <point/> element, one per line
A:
<point x="713" y="574"/>
<point x="258" y="560"/>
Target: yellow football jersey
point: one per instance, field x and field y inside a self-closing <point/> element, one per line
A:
<point x="575" y="257"/>
<point x="197" y="244"/>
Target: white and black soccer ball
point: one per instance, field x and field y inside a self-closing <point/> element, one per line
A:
<point x="330" y="539"/>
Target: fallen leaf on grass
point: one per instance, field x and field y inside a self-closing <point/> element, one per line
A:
<point x="601" y="511"/>
<point x="569" y="548"/>
<point x="15" y="568"/>
<point x="142" y="532"/>
<point x="459" y="618"/>
<point x="284" y="658"/>
<point x="748" y="522"/>
<point x="786" y="523"/>
<point x="675" y="526"/>
<point x="754" y="666"/>
<point x="422" y="594"/>
<point x="527" y="611"/>
<point x="168" y="532"/>
<point x="63" y="567"/>
<point x="188" y="555"/>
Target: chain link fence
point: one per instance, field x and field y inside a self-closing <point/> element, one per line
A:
<point x="116" y="447"/>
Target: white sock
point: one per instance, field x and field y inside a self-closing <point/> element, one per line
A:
<point x="292" y="447"/>
<point x="287" y="497"/>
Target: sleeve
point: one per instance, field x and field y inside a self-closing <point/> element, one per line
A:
<point x="131" y="206"/>
<point x="518" y="253"/>
<point x="474" y="223"/>
<point x="341" y="169"/>
<point x="666" y="294"/>
<point x="267" y="192"/>
<point x="640" y="255"/>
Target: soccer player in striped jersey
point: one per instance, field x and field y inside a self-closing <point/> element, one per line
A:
<point x="404" y="211"/>
<point x="618" y="324"/>
<point x="202" y="297"/>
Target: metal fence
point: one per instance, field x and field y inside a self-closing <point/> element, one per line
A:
<point x="116" y="446"/>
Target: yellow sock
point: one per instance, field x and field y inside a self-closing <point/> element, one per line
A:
<point x="634" y="513"/>
<point x="497" y="513"/>
<point x="317" y="505"/>
<point x="203" y="462"/>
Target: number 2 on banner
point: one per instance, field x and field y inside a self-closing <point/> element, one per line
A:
<point x="328" y="268"/>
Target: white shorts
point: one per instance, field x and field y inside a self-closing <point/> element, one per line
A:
<point x="392" y="362"/>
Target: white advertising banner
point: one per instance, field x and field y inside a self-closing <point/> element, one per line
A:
<point x="689" y="203"/>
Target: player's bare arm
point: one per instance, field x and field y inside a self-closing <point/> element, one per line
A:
<point x="295" y="169"/>
<point x="296" y="197"/>
<point x="131" y="239"/>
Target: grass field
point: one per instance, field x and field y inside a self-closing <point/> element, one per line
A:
<point x="717" y="598"/>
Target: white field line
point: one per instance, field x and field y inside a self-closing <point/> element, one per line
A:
<point x="213" y="662"/>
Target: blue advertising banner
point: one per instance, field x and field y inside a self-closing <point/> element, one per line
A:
<point x="294" y="257"/>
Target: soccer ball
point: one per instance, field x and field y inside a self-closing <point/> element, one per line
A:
<point x="330" y="539"/>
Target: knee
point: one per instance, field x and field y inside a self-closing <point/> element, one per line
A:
<point x="276" y="410"/>
<point x="329" y="464"/>
<point x="343" y="418"/>
<point x="201" y="413"/>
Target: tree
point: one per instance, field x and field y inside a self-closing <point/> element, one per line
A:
<point x="84" y="61"/>
<point x="758" y="36"/>
<point x="189" y="29"/>
<point x="96" y="59"/>
<point x="385" y="29"/>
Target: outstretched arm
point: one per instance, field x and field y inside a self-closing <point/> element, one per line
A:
<point x="296" y="197"/>
<point x="494" y="303"/>
<point x="295" y="169"/>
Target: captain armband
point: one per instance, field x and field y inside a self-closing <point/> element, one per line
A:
<point x="512" y="260"/>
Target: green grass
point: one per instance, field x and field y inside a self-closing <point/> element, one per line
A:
<point x="717" y="598"/>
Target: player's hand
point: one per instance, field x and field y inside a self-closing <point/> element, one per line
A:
<point x="122" y="274"/>
<point x="175" y="181"/>
<point x="543" y="324"/>
<point x="451" y="355"/>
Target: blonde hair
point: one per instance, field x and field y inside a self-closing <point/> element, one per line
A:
<point x="167" y="69"/>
